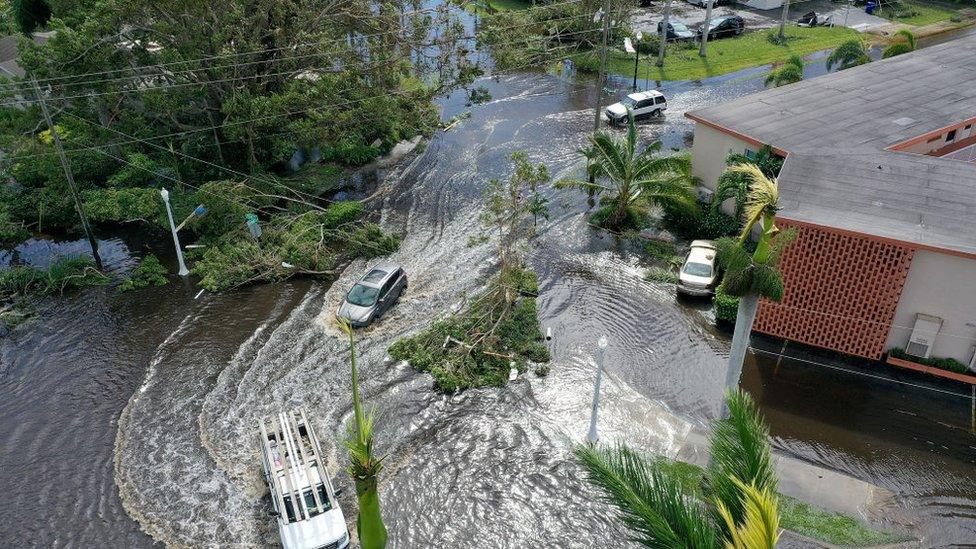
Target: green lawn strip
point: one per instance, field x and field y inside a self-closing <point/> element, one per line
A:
<point x="729" y="54"/>
<point x="796" y="516"/>
<point x="927" y="13"/>
<point x="831" y="527"/>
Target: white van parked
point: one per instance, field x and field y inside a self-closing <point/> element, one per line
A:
<point x="304" y="501"/>
<point x="647" y="103"/>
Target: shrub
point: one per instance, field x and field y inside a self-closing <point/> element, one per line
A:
<point x="659" y="249"/>
<point x="350" y="153"/>
<point x="149" y="272"/>
<point x="726" y="306"/>
<point x="479" y="363"/>
<point x="658" y="274"/>
<point x="123" y="205"/>
<point x="710" y="224"/>
<point x="62" y="275"/>
<point x="949" y="364"/>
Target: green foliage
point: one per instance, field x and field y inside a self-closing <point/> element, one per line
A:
<point x="849" y="54"/>
<point x="790" y="72"/>
<point x="479" y="95"/>
<point x="489" y="334"/>
<point x="740" y="452"/>
<point x="726" y="306"/>
<point x="11" y="232"/>
<point x="149" y="272"/>
<point x="632" y="180"/>
<point x="948" y="364"/>
<point x="660" y="274"/>
<point x="124" y="205"/>
<point x="62" y="275"/>
<point x="660" y="250"/>
<point x="350" y="154"/>
<point x="833" y="528"/>
<point x="902" y="41"/>
<point x="314" y="242"/>
<point x="30" y="14"/>
<point x="693" y="225"/>
<point x="139" y="171"/>
<point x="744" y="275"/>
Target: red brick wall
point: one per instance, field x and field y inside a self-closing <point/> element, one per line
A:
<point x="841" y="290"/>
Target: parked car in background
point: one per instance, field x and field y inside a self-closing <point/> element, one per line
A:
<point x="698" y="276"/>
<point x="639" y="104"/>
<point x="704" y="3"/>
<point x="723" y="27"/>
<point x="676" y="31"/>
<point x="373" y="295"/>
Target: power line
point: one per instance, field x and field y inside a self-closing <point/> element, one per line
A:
<point x="14" y="89"/>
<point x="281" y="115"/>
<point x="857" y="372"/>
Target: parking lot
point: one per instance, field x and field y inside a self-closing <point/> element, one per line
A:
<point x="646" y="19"/>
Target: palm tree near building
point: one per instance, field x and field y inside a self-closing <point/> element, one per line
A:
<point x="735" y="185"/>
<point x="789" y="72"/>
<point x="849" y="54"/>
<point x="751" y="276"/>
<point x="630" y="181"/>
<point x="901" y="42"/>
<point x="738" y="509"/>
<point x="364" y="466"/>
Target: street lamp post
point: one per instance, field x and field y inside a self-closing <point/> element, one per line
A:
<point x="176" y="239"/>
<point x="601" y="349"/>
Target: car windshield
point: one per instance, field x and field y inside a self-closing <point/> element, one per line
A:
<point x="362" y="295"/>
<point x="679" y="27"/>
<point x="628" y="101"/>
<point x="698" y="269"/>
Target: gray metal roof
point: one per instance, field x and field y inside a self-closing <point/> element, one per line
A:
<point x="836" y="129"/>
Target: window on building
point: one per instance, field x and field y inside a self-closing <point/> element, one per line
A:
<point x="750" y="154"/>
<point x="951" y="136"/>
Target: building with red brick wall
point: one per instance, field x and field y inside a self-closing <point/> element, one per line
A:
<point x="879" y="181"/>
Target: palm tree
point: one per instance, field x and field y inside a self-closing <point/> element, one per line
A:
<point x="634" y="180"/>
<point x="738" y="509"/>
<point x="849" y="54"/>
<point x="902" y="41"/>
<point x="751" y="276"/>
<point x="364" y="466"/>
<point x="732" y="185"/>
<point x="789" y="73"/>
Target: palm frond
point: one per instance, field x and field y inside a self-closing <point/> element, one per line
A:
<point x="763" y="197"/>
<point x="759" y="528"/>
<point x="581" y="184"/>
<point x="650" y="503"/>
<point x="740" y="449"/>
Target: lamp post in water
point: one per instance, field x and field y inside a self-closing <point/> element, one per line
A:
<point x="601" y="349"/>
<point x="176" y="239"/>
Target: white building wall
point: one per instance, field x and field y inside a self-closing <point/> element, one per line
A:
<point x="944" y="286"/>
<point x="708" y="153"/>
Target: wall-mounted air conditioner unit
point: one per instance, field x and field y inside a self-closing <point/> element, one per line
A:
<point x="923" y="335"/>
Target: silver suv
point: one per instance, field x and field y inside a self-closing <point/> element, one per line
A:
<point x="373" y="295"/>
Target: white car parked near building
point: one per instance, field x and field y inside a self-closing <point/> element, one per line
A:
<point x="698" y="276"/>
<point x="639" y="104"/>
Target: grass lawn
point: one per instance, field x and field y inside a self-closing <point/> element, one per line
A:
<point x="812" y="522"/>
<point x="728" y="54"/>
<point x="509" y="5"/>
<point x="927" y="13"/>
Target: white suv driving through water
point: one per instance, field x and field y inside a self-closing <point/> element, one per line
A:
<point x="304" y="501"/>
<point x="647" y="103"/>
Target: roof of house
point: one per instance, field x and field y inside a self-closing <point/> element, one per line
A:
<point x="836" y="130"/>
<point x="9" y="53"/>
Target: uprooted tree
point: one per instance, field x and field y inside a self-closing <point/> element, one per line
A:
<point x="498" y="328"/>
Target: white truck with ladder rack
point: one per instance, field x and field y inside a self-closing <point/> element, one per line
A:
<point x="304" y="500"/>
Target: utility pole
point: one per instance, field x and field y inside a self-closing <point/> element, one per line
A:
<point x="68" y="174"/>
<point x="605" y="11"/>
<point x="664" y="33"/>
<point x="708" y="21"/>
<point x="592" y="437"/>
<point x="782" y="22"/>
<point x="176" y="239"/>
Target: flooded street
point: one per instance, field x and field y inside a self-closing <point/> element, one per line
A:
<point x="145" y="405"/>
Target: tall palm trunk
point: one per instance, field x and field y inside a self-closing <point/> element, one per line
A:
<point x="369" y="525"/>
<point x="620" y="208"/>
<point x="664" y="33"/>
<point x="745" y="317"/>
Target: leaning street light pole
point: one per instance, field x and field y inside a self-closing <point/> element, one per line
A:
<point x="603" y="14"/>
<point x="176" y="239"/>
<point x="705" y="25"/>
<point x="601" y="349"/>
